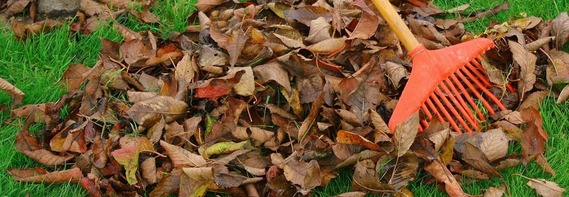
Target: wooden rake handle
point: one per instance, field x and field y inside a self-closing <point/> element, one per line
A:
<point x="396" y="23"/>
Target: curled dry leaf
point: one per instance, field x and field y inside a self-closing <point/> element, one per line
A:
<point x="332" y="45"/>
<point x="35" y="175"/>
<point x="13" y="91"/>
<point x="395" y="72"/>
<point x="563" y="95"/>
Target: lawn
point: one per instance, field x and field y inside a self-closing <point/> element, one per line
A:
<point x="36" y="64"/>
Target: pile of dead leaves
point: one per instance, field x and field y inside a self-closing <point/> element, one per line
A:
<point x="273" y="98"/>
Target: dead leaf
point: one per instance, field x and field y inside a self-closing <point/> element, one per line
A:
<point x="494" y="144"/>
<point x="34" y="175"/>
<point x="246" y="85"/>
<point x="405" y="133"/>
<point x="307" y="14"/>
<point x="526" y="61"/>
<point x="367" y="179"/>
<point x="495" y="191"/>
<point x="346" y="137"/>
<point x="28" y="144"/>
<point x="319" y="30"/>
<point x="328" y="46"/>
<point x="366" y="27"/>
<point x="545" y="188"/>
<point x="542" y="162"/>
<point x="181" y="157"/>
<point x="443" y="175"/>
<point x="563" y="95"/>
<point x="273" y="71"/>
<point x="307" y="175"/>
<point x="560" y="29"/>
<point x="205" y="5"/>
<point x="395" y="72"/>
<point x="128" y="155"/>
<point x="195" y="181"/>
<point x="13" y="91"/>
<point x="476" y="158"/>
<point x="147" y="111"/>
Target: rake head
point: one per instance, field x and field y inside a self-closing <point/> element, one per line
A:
<point x="444" y="84"/>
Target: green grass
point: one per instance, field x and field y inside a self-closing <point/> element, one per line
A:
<point x="36" y="64"/>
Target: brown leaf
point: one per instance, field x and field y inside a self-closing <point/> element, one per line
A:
<point x="273" y="71"/>
<point x="560" y="29"/>
<point x="195" y="181"/>
<point x="27" y="144"/>
<point x="74" y="76"/>
<point x="309" y="121"/>
<point x="351" y="194"/>
<point x="307" y="14"/>
<point x="34" y="175"/>
<point x="246" y="85"/>
<point x="148" y="168"/>
<point x="526" y="61"/>
<point x="319" y="30"/>
<point x="367" y="179"/>
<point x="205" y="5"/>
<point x="533" y="137"/>
<point x="495" y="191"/>
<point x="381" y="128"/>
<point x="400" y="172"/>
<point x="16" y="7"/>
<point x="477" y="159"/>
<point x="13" y="91"/>
<point x="353" y="159"/>
<point x="332" y="45"/>
<point x="494" y="74"/>
<point x="494" y="144"/>
<point x="307" y="175"/>
<point x="235" y="44"/>
<point x="534" y="100"/>
<point x="181" y="157"/>
<point x="546" y="188"/>
<point x="542" y="162"/>
<point x="168" y="185"/>
<point x="443" y="175"/>
<point x="151" y="110"/>
<point x="564" y="95"/>
<point x="405" y="133"/>
<point x="366" y="27"/>
<point x="346" y="137"/>
<point x="395" y="72"/>
<point x="136" y="50"/>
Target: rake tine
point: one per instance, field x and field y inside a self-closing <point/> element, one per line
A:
<point x="434" y="109"/>
<point x="479" y="75"/>
<point x="452" y="109"/>
<point x="427" y="112"/>
<point x="461" y="108"/>
<point x="488" y="93"/>
<point x="474" y="90"/>
<point x="459" y="96"/>
<point x="445" y="113"/>
<point x="467" y="96"/>
<point x="424" y="124"/>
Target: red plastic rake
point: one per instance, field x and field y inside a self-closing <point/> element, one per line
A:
<point x="443" y="82"/>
